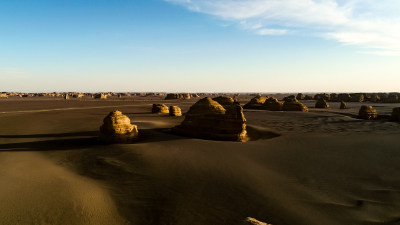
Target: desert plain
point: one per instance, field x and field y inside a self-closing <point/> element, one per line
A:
<point x="321" y="167"/>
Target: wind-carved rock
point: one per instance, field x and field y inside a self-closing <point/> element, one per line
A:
<point x="160" y="108"/>
<point x="292" y="104"/>
<point x="210" y="120"/>
<point x="252" y="221"/>
<point x="117" y="128"/>
<point x="175" y="111"/>
<point x="343" y="105"/>
<point x="367" y="112"/>
<point x="272" y="104"/>
<point x="321" y="104"/>
<point x="256" y="102"/>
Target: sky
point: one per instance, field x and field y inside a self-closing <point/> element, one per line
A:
<point x="200" y="45"/>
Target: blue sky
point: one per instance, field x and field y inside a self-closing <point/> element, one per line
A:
<point x="200" y="45"/>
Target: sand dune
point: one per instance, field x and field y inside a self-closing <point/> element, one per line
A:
<point x="321" y="167"/>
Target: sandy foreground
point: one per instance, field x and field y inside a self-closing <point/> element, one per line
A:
<point x="321" y="167"/>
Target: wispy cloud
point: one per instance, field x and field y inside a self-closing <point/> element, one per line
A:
<point x="370" y="24"/>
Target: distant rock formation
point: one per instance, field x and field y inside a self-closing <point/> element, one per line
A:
<point x="367" y="113"/>
<point x="175" y="111"/>
<point x="252" y="221"/>
<point x="292" y="104"/>
<point x="272" y="104"/>
<point x="3" y="95"/>
<point x="117" y="128"/>
<point x="66" y="96"/>
<point x="160" y="108"/>
<point x="177" y="96"/>
<point x="321" y="104"/>
<point x="356" y="97"/>
<point x="343" y="105"/>
<point x="100" y="96"/>
<point x="256" y="102"/>
<point x="225" y="101"/>
<point x="396" y="114"/>
<point x="209" y="119"/>
<point x="300" y="96"/>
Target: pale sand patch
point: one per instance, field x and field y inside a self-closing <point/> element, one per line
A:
<point x="34" y="190"/>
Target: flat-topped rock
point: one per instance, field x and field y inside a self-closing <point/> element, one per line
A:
<point x="117" y="128"/>
<point x="210" y="120"/>
<point x="367" y="112"/>
<point x="160" y="108"/>
<point x="175" y="111"/>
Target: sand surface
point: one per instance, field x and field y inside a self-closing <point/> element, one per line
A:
<point x="321" y="167"/>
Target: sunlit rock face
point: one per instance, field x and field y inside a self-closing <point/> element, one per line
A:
<point x="100" y="96"/>
<point x="117" y="128"/>
<point x="321" y="104"/>
<point x="252" y="221"/>
<point x="272" y="104"/>
<point x="160" y="108"/>
<point x="210" y="120"/>
<point x="175" y="111"/>
<point x="256" y="102"/>
<point x="292" y="104"/>
<point x="367" y="112"/>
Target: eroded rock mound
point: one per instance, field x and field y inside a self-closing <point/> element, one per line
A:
<point x="367" y="112"/>
<point x="100" y="96"/>
<point x="343" y="105"/>
<point x="272" y="104"/>
<point x="117" y="128"/>
<point x="252" y="221"/>
<point x="256" y="102"/>
<point x="321" y="104"/>
<point x="225" y="101"/>
<point x="160" y="108"/>
<point x="292" y="104"/>
<point x="396" y="114"/>
<point x="209" y="119"/>
<point x="175" y="111"/>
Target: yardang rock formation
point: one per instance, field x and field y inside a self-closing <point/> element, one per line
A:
<point x="367" y="112"/>
<point x="160" y="108"/>
<point x="117" y="128"/>
<point x="210" y="120"/>
<point x="175" y="111"/>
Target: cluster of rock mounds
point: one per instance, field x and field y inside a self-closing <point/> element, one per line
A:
<point x="353" y="97"/>
<point x="117" y="128"/>
<point x="268" y="103"/>
<point x="179" y="96"/>
<point x="209" y="119"/>
<point x="163" y="109"/>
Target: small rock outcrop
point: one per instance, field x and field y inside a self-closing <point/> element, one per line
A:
<point x="256" y="102"/>
<point x="367" y="112"/>
<point x="210" y="120"/>
<point x="160" y="108"/>
<point x="100" y="96"/>
<point x="343" y="105"/>
<point x="272" y="104"/>
<point x="117" y="128"/>
<point x="321" y="104"/>
<point x="396" y="114"/>
<point x="175" y="111"/>
<point x="292" y="104"/>
<point x="66" y="96"/>
<point x="225" y="101"/>
<point x="252" y="221"/>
